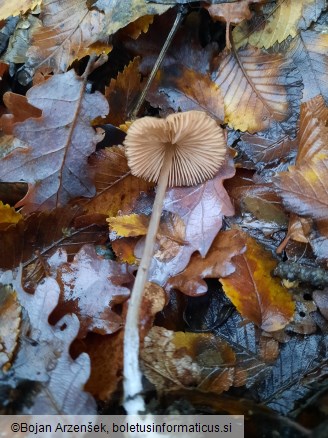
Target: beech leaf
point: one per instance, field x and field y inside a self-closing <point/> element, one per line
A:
<point x="286" y="18"/>
<point x="257" y="88"/>
<point x="259" y="297"/>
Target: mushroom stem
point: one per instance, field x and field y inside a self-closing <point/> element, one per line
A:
<point x="133" y="401"/>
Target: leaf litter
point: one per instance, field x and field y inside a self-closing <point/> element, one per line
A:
<point x="251" y="243"/>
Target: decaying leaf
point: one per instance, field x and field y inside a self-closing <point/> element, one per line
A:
<point x="286" y="18"/>
<point x="122" y="93"/>
<point x="217" y="263"/>
<point x="59" y="142"/>
<point x="10" y="317"/>
<point x="20" y="110"/>
<point x="181" y="88"/>
<point x="309" y="51"/>
<point x="257" y="88"/>
<point x="8" y="215"/>
<point x="20" y="6"/>
<point x="258" y="296"/>
<point x="201" y="208"/>
<point x="43" y="357"/>
<point x="231" y="14"/>
<point x="69" y="29"/>
<point x="120" y="14"/>
<point x="90" y="287"/>
<point x="174" y="360"/>
<point x="117" y="190"/>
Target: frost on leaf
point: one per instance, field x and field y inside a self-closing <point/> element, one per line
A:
<point x="43" y="358"/>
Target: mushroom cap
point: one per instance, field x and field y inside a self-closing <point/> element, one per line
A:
<point x="199" y="147"/>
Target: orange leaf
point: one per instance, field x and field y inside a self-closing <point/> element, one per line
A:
<point x="259" y="297"/>
<point x="8" y="215"/>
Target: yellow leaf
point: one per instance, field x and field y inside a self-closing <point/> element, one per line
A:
<point x="8" y="215"/>
<point x="131" y="225"/>
<point x="257" y="295"/>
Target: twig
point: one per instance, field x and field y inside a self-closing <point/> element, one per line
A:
<point x="178" y="19"/>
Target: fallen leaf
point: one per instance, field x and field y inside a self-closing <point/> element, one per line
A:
<point x="20" y="110"/>
<point x="32" y="241"/>
<point x="8" y="215"/>
<point x="91" y="287"/>
<point x="284" y="18"/>
<point x="118" y="15"/>
<point x="122" y="93"/>
<point x="309" y="52"/>
<point x="320" y="297"/>
<point x="129" y="225"/>
<point x="68" y="30"/>
<point x="55" y="164"/>
<point x="174" y="360"/>
<point x="16" y="8"/>
<point x="140" y="25"/>
<point x="201" y="208"/>
<point x="259" y="297"/>
<point x="106" y="356"/>
<point x="43" y="357"/>
<point x="183" y="89"/>
<point x="117" y="190"/>
<point x="10" y="316"/>
<point x="257" y="88"/>
<point x="304" y="190"/>
<point x="217" y="263"/>
<point x="231" y="14"/>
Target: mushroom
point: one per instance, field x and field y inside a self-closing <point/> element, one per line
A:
<point x="182" y="150"/>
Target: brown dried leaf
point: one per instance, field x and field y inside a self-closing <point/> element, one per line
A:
<point x="201" y="208"/>
<point x="183" y="89"/>
<point x="286" y="18"/>
<point x="15" y="8"/>
<point x="122" y="93"/>
<point x="10" y="317"/>
<point x="217" y="263"/>
<point x="257" y="88"/>
<point x="304" y="189"/>
<point x="69" y="29"/>
<point x="259" y="297"/>
<point x="59" y="142"/>
<point x="90" y="287"/>
<point x="174" y="360"/>
<point x="320" y="297"/>
<point x="20" y="111"/>
<point x="140" y="25"/>
<point x="117" y="190"/>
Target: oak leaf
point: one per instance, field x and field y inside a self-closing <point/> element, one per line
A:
<point x="43" y="356"/>
<point x="259" y="297"/>
<point x="286" y="18"/>
<point x="90" y="287"/>
<point x="59" y="142"/>
<point x="217" y="263"/>
<point x="258" y="88"/>
<point x="201" y="208"/>
<point x="10" y="316"/>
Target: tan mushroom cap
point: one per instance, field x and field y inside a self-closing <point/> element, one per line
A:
<point x="199" y="147"/>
